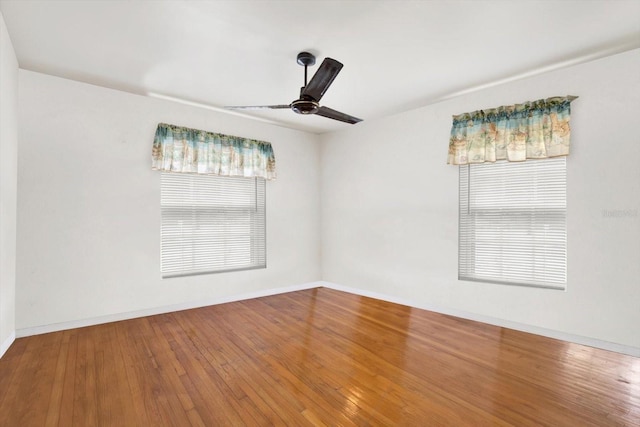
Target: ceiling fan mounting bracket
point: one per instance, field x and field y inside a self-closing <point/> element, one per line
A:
<point x="306" y="59"/>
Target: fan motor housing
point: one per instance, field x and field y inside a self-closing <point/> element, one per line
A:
<point x="305" y="106"/>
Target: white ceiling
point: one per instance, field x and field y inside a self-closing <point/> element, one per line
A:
<point x="397" y="55"/>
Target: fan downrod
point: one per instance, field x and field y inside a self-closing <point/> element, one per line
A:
<point x="305" y="59"/>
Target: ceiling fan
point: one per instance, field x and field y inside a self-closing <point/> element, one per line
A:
<point x="312" y="92"/>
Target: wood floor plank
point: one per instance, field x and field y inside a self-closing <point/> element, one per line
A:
<point x="66" y="409"/>
<point x="318" y="357"/>
<point x="55" y="400"/>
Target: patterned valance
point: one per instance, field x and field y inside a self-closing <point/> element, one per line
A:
<point x="184" y="150"/>
<point x="533" y="130"/>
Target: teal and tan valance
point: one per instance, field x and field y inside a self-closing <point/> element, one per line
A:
<point x="533" y="130"/>
<point x="185" y="150"/>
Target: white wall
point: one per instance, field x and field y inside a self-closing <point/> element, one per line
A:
<point x="89" y="205"/>
<point x="8" y="186"/>
<point x="390" y="217"/>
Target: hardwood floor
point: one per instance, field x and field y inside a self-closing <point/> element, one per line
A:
<point x="316" y="357"/>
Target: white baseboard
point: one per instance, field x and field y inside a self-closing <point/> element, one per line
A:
<point x="550" y="333"/>
<point x="44" y="329"/>
<point x="4" y="346"/>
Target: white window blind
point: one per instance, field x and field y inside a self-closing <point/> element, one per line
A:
<point x="211" y="224"/>
<point x="513" y="223"/>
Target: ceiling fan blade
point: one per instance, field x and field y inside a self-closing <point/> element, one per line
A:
<point x="322" y="79"/>
<point x="337" y="115"/>
<point x="257" y="107"/>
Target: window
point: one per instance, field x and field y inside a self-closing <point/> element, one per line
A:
<point x="211" y="224"/>
<point x="513" y="223"/>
